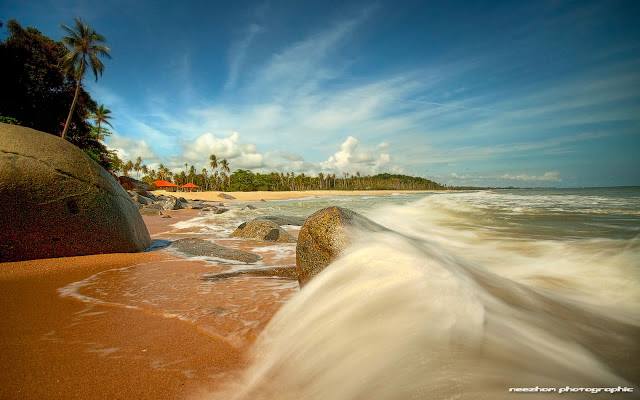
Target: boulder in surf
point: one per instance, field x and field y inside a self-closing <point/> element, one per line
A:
<point x="325" y="236"/>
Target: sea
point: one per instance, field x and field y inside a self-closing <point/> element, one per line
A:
<point x="485" y="294"/>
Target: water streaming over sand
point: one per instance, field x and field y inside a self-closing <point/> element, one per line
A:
<point x="472" y="294"/>
<point x="469" y="295"/>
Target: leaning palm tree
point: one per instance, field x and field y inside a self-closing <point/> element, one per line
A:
<point x="84" y="49"/>
<point x="101" y="116"/>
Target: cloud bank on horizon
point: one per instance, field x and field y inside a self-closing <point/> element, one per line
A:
<point x="490" y="94"/>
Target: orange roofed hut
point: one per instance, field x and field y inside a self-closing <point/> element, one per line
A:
<point x="168" y="186"/>
<point x="189" y="187"/>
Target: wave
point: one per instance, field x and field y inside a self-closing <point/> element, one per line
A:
<point x="412" y="313"/>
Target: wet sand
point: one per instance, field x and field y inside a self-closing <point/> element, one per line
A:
<point x="58" y="347"/>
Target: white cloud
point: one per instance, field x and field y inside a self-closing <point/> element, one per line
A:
<point x="130" y="149"/>
<point x="551" y="176"/>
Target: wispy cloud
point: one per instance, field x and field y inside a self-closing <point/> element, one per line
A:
<point x="238" y="53"/>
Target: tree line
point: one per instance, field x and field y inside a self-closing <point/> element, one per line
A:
<point x="220" y="178"/>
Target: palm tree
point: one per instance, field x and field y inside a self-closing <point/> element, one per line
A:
<point x="224" y="166"/>
<point x="206" y="181"/>
<point x="128" y="166"/>
<point x="144" y="169"/>
<point x="101" y="115"/>
<point x="84" y="49"/>
<point x="213" y="161"/>
<point x="136" y="166"/>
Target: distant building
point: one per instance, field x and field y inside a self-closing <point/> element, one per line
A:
<point x="189" y="187"/>
<point x="166" y="185"/>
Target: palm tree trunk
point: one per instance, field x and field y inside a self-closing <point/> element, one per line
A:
<point x="73" y="106"/>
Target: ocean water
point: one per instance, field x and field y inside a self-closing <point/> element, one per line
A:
<point x="469" y="295"/>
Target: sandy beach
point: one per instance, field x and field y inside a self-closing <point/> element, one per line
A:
<point x="257" y="196"/>
<point x="57" y="347"/>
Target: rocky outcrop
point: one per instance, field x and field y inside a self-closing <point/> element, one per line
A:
<point x="263" y="230"/>
<point x="226" y="196"/>
<point x="56" y="202"/>
<point x="129" y="183"/>
<point x="325" y="236"/>
<point x="200" y="247"/>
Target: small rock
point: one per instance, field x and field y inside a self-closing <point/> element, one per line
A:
<point x="149" y="211"/>
<point x="226" y="196"/>
<point x="166" y="216"/>
<point x="263" y="230"/>
<point x="200" y="247"/>
<point x="221" y="210"/>
<point x="171" y="203"/>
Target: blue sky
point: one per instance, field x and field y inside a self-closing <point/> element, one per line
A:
<point x="539" y="93"/>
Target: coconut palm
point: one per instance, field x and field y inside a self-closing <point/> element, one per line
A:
<point x="85" y="46"/>
<point x="224" y="166"/>
<point x="102" y="115"/>
<point x="213" y="161"/>
<point x="136" y="166"/>
<point x="128" y="166"/>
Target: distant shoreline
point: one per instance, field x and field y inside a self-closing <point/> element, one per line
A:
<point x="286" y="195"/>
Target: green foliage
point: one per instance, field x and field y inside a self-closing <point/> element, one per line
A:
<point x="37" y="93"/>
<point x="9" y="120"/>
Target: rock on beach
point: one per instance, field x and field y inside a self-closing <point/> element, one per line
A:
<point x="325" y="236"/>
<point x="57" y="202"/>
<point x="263" y="230"/>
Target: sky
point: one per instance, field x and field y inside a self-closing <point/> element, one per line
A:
<point x="483" y="93"/>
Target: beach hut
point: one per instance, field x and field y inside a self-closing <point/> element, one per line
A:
<point x="189" y="187"/>
<point x="168" y="186"/>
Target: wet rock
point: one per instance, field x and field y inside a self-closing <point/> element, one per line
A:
<point x="221" y="210"/>
<point x="200" y="247"/>
<point x="139" y="199"/>
<point x="57" y="202"/>
<point x="166" y="216"/>
<point x="283" y="219"/>
<point x="150" y="211"/>
<point x="325" y="236"/>
<point x="263" y="230"/>
<point x="193" y="206"/>
<point x="171" y="203"/>
<point x="226" y="196"/>
<point x="182" y="200"/>
<point x="277" y="272"/>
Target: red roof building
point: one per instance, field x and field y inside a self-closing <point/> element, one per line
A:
<point x="190" y="186"/>
<point x="168" y="186"/>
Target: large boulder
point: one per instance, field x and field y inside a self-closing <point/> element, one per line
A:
<point x="325" y="236"/>
<point x="56" y="202"/>
<point x="263" y="230"/>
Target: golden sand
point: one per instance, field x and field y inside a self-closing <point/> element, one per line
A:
<point x="55" y="347"/>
